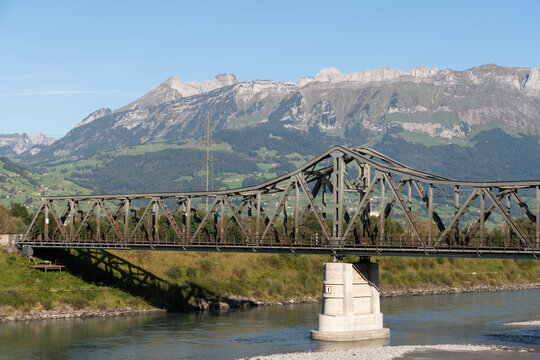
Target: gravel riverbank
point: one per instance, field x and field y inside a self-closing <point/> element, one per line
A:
<point x="67" y="312"/>
<point x="236" y="302"/>
<point x="440" y="290"/>
<point x="525" y="323"/>
<point x="404" y="352"/>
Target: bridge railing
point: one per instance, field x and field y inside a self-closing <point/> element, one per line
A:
<point x="394" y="245"/>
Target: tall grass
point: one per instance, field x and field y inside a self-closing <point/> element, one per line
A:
<point x="264" y="276"/>
<point x="24" y="288"/>
<point x="279" y="276"/>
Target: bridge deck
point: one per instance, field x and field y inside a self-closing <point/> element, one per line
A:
<point x="299" y="248"/>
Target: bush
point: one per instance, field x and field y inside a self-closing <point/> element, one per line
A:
<point x="175" y="272"/>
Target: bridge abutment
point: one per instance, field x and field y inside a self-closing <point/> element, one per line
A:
<point x="351" y="305"/>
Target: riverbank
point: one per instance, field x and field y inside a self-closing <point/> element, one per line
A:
<point x="209" y="281"/>
<point x="66" y="311"/>
<point x="441" y="290"/>
<point x="410" y="352"/>
<point x="235" y="301"/>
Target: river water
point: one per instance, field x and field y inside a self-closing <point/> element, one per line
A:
<point x="475" y="318"/>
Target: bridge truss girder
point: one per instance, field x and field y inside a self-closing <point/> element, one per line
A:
<point x="323" y="206"/>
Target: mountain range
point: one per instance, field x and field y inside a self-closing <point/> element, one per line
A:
<point x="480" y="115"/>
<point x="17" y="144"/>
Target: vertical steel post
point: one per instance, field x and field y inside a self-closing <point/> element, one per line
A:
<point x="222" y="222"/>
<point x="430" y="215"/>
<point x="126" y="219"/>
<point x="409" y="208"/>
<point x="258" y="229"/>
<point x="381" y="214"/>
<point x="155" y="220"/>
<point x="296" y="213"/>
<point x="71" y="220"/>
<point x="537" y="216"/>
<point x="98" y="221"/>
<point x="456" y="209"/>
<point x="323" y="199"/>
<point x="338" y="175"/>
<point x="184" y="219"/>
<point x="47" y="220"/>
<point x="507" y="224"/>
<point x="188" y="219"/>
<point x="482" y="229"/>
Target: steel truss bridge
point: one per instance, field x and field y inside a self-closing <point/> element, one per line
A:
<point x="323" y="207"/>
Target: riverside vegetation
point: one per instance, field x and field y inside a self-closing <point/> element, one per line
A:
<point x="223" y="276"/>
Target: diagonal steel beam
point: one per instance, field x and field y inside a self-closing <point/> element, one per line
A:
<point x="171" y="219"/>
<point x="35" y="219"/>
<point x="114" y="216"/>
<point x="363" y="203"/>
<point x="306" y="208"/>
<point x="457" y="217"/>
<point x="309" y="195"/>
<point x="397" y="197"/>
<point x="204" y="221"/>
<point x="266" y="219"/>
<point x="505" y="213"/>
<point x="422" y="192"/>
<point x="111" y="219"/>
<point x="60" y="225"/>
<point x="85" y="219"/>
<point x="281" y="203"/>
<point x="236" y="216"/>
<point x="243" y="203"/>
<point x="523" y="205"/>
<point x="63" y="217"/>
<point x="390" y="205"/>
<point x="141" y="219"/>
<point x="488" y="212"/>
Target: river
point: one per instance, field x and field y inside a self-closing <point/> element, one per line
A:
<point x="474" y="318"/>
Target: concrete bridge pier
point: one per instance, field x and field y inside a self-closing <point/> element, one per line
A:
<point x="351" y="306"/>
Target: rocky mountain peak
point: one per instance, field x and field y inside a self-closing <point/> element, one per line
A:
<point x="423" y="72"/>
<point x="173" y="88"/>
<point x="328" y="72"/>
<point x="532" y="83"/>
<point x="41" y="139"/>
<point x="173" y="82"/>
<point x="93" y="116"/>
<point x="225" y="79"/>
<point x="195" y="87"/>
<point x="333" y="75"/>
<point x="15" y="144"/>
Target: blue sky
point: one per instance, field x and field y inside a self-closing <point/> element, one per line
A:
<point x="61" y="60"/>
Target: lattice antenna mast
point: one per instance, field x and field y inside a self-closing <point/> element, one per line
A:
<point x="209" y="158"/>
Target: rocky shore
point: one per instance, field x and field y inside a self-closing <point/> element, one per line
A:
<point x="237" y="302"/>
<point x="424" y="352"/>
<point x="67" y="312"/>
<point x="440" y="290"/>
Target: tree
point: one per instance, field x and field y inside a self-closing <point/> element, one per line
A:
<point x="10" y="224"/>
<point x="20" y="211"/>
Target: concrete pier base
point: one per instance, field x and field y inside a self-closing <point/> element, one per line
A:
<point x="351" y="307"/>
